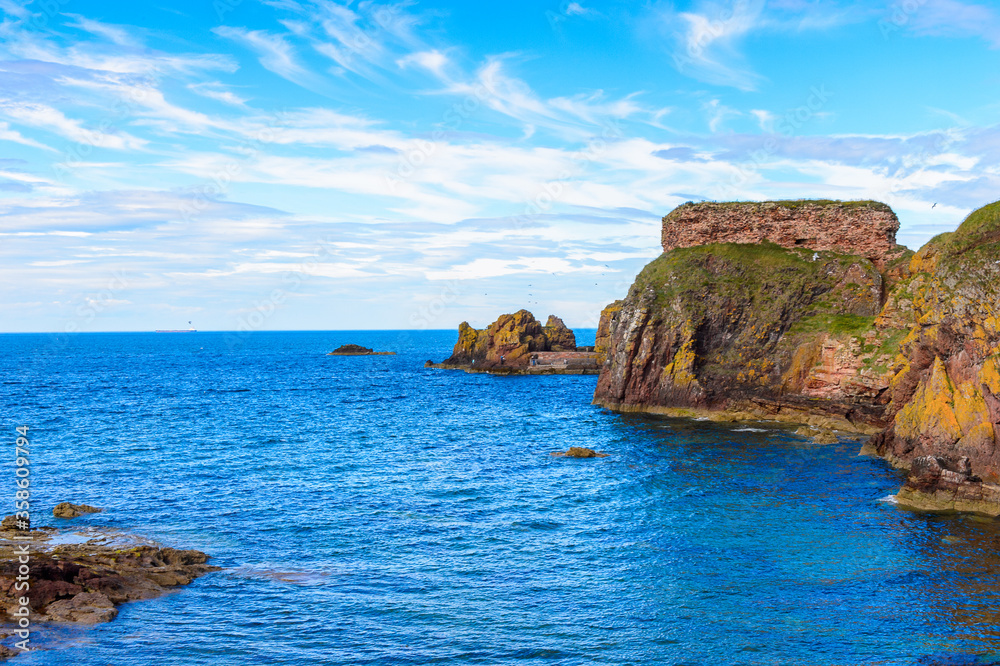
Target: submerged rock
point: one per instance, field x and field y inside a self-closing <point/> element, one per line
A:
<point x="825" y="437"/>
<point x="83" y="608"/>
<point x="68" y="510"/>
<point x="579" y="452"/>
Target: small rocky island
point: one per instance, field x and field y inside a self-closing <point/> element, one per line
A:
<point x="357" y="350"/>
<point x="518" y="344"/>
<point x="809" y="312"/>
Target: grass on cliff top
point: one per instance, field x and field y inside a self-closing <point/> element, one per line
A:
<point x="734" y="266"/>
<point x="759" y="258"/>
<point x="800" y="203"/>
<point x="981" y="227"/>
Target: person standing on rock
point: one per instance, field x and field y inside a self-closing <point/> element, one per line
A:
<point x="501" y="360"/>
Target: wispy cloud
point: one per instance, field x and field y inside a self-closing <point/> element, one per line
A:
<point x="53" y="120"/>
<point x="7" y="134"/>
<point x="275" y="54"/>
<point x="953" y="18"/>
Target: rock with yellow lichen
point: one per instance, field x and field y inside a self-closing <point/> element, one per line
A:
<point x="560" y="337"/>
<point x="944" y="395"/>
<point x="509" y="342"/>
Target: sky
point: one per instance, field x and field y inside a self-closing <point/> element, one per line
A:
<point x="295" y="164"/>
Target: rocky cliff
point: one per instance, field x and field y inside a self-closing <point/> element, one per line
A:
<point x="944" y="406"/>
<point x="901" y="346"/>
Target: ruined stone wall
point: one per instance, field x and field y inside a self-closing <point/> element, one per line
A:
<point x="866" y="228"/>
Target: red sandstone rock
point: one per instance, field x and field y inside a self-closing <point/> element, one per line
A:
<point x="865" y="228"/>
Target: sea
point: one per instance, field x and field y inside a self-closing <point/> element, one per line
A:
<point x="369" y="510"/>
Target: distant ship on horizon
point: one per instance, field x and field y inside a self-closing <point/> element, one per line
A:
<point x="179" y="330"/>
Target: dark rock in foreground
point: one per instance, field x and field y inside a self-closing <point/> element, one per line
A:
<point x="83" y="583"/>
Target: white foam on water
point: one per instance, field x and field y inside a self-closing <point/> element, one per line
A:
<point x="750" y="430"/>
<point x="888" y="499"/>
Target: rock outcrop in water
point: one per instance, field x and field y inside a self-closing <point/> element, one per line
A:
<point x="561" y="338"/>
<point x="357" y="350"/>
<point x="902" y="346"/>
<point x="70" y="510"/>
<point x="83" y="582"/>
<point x="517" y="344"/>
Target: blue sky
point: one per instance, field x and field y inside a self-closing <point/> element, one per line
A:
<point x="285" y="164"/>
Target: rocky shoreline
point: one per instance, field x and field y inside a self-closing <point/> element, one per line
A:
<point x="773" y="318"/>
<point x="81" y="576"/>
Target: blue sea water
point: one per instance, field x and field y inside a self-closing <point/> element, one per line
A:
<point x="367" y="510"/>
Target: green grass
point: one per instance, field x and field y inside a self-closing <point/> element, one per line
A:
<point x="834" y="324"/>
<point x="980" y="229"/>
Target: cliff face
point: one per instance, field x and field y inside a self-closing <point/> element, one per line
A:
<point x="514" y="337"/>
<point x="865" y="228"/>
<point x="750" y="328"/>
<point x="906" y="347"/>
<point x="944" y="406"/>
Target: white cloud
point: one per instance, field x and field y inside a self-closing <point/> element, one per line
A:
<point x="7" y="134"/>
<point x="433" y="61"/>
<point x="121" y="35"/>
<point x="274" y="53"/>
<point x="215" y="90"/>
<point x="707" y="48"/>
<point x="48" y="118"/>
